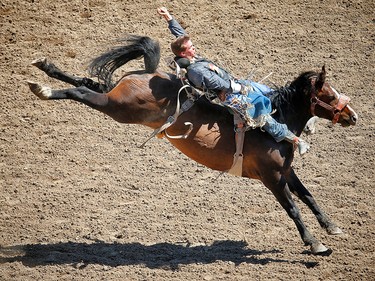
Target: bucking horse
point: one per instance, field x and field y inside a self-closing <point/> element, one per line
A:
<point x="150" y="97"/>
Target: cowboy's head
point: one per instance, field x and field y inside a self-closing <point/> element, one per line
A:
<point x="183" y="47"/>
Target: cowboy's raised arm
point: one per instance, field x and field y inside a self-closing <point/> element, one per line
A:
<point x="173" y="25"/>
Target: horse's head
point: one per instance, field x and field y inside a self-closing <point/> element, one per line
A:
<point x="327" y="103"/>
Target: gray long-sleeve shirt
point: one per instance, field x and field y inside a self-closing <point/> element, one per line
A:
<point x="175" y="28"/>
<point x="202" y="73"/>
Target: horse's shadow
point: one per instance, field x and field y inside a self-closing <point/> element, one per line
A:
<point x="162" y="255"/>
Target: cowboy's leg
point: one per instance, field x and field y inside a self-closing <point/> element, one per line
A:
<point x="264" y="89"/>
<point x="256" y="87"/>
<point x="281" y="132"/>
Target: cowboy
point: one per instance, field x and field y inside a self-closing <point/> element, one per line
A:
<point x="245" y="97"/>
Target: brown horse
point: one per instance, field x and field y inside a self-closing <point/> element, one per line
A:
<point x="149" y="97"/>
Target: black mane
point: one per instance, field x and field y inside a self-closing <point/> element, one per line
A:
<point x="290" y="99"/>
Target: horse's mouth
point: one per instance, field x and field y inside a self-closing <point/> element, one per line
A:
<point x="347" y="123"/>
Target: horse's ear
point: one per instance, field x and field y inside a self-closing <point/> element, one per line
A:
<point x="321" y="78"/>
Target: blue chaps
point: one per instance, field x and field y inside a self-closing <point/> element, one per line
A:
<point x="277" y="130"/>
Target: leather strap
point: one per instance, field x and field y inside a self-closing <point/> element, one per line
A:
<point x="240" y="130"/>
<point x="173" y="118"/>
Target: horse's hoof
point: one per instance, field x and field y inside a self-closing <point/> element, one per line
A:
<point x="326" y="253"/>
<point x="39" y="63"/>
<point x="320" y="250"/>
<point x="310" y="126"/>
<point x="41" y="92"/>
<point x="334" y="230"/>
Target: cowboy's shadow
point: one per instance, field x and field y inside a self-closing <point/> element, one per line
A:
<point x="161" y="255"/>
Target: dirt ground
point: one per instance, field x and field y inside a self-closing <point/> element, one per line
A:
<point x="80" y="201"/>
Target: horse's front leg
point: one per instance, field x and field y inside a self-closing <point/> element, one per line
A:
<point x="53" y="71"/>
<point x="297" y="188"/>
<point x="277" y="184"/>
<point x="81" y="94"/>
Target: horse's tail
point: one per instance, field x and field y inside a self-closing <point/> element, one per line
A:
<point x="132" y="47"/>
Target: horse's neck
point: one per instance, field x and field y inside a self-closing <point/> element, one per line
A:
<point x="290" y="108"/>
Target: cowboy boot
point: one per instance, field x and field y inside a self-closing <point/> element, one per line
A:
<point x="303" y="146"/>
<point x="281" y="132"/>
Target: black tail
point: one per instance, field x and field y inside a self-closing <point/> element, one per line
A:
<point x="132" y="47"/>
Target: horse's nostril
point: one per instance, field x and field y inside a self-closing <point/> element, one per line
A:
<point x="354" y="118"/>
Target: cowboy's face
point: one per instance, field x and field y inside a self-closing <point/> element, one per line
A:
<point x="189" y="51"/>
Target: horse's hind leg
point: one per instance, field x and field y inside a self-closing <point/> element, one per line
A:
<point x="281" y="191"/>
<point x="81" y="94"/>
<point x="297" y="188"/>
<point x="52" y="71"/>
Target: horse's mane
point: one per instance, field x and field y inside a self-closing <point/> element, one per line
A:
<point x="291" y="96"/>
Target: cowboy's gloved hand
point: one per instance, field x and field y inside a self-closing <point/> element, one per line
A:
<point x="163" y="11"/>
<point x="239" y="88"/>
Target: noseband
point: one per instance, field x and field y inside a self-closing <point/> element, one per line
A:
<point x="336" y="110"/>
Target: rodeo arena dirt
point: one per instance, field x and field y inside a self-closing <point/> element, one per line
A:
<point x="81" y="201"/>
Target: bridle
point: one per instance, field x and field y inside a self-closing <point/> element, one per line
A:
<point x="336" y="110"/>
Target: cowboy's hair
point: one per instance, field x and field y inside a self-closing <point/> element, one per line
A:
<point x="179" y="45"/>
